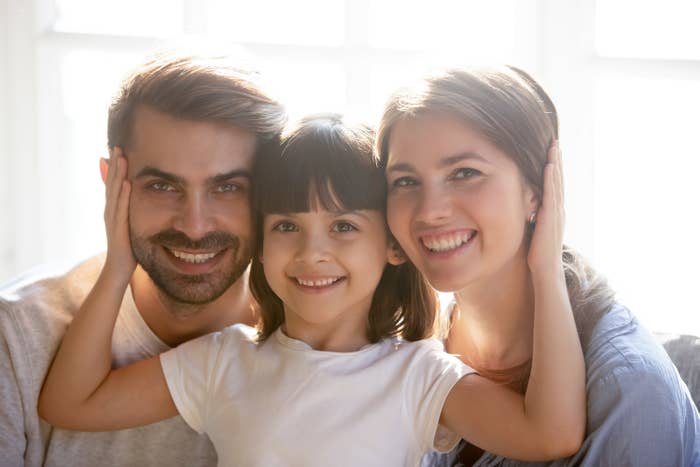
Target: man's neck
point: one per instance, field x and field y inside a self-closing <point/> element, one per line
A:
<point x="174" y="322"/>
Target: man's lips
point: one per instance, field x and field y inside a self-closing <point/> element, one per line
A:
<point x="194" y="261"/>
<point x="447" y="241"/>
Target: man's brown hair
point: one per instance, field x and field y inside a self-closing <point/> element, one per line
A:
<point x="194" y="88"/>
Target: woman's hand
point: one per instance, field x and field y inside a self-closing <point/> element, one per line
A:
<point x="120" y="261"/>
<point x="544" y="256"/>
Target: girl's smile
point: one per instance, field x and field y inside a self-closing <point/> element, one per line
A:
<point x="325" y="266"/>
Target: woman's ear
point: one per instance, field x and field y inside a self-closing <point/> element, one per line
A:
<point x="395" y="255"/>
<point x="532" y="204"/>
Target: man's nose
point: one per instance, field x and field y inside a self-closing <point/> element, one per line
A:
<point x="195" y="218"/>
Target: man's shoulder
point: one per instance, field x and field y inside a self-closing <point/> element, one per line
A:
<point x="37" y="306"/>
<point x="50" y="284"/>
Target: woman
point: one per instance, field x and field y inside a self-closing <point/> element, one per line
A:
<point x="464" y="157"/>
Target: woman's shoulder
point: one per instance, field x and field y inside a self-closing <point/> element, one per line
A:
<point x="619" y="340"/>
<point x="624" y="358"/>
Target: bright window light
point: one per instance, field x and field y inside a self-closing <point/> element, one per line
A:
<point x="648" y="28"/>
<point x="300" y="22"/>
<point x="647" y="160"/>
<point x="152" y="18"/>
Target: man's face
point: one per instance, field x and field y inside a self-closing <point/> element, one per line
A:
<point x="189" y="214"/>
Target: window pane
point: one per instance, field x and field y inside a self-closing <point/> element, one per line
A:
<point x="475" y="28"/>
<point x="303" y="22"/>
<point x="151" y="18"/>
<point x="75" y="90"/>
<point x="648" y="29"/>
<point x="306" y="88"/>
<point x="647" y="160"/>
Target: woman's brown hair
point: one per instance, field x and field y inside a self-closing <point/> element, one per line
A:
<point x="326" y="162"/>
<point x="510" y="109"/>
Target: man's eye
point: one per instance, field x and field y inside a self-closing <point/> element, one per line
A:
<point x="465" y="172"/>
<point x="227" y="188"/>
<point x="162" y="186"/>
<point x="404" y="181"/>
<point x="285" y="226"/>
<point x="343" y="226"/>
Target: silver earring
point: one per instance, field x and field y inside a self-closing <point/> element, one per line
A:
<point x="532" y="217"/>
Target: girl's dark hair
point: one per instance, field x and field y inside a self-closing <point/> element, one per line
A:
<point x="510" y="109"/>
<point x="326" y="162"/>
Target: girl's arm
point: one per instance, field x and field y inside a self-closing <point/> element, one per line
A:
<point x="549" y="421"/>
<point x="81" y="391"/>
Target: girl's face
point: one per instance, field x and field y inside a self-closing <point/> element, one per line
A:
<point x="457" y="204"/>
<point x="325" y="266"/>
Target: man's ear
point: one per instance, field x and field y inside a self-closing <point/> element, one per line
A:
<point x="104" y="167"/>
<point x="395" y="255"/>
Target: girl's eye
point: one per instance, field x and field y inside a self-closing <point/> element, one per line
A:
<point x="465" y="172"/>
<point x="404" y="181"/>
<point x="284" y="226"/>
<point x="343" y="226"/>
<point x="162" y="186"/>
<point x="227" y="188"/>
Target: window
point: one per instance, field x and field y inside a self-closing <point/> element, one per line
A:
<point x="624" y="76"/>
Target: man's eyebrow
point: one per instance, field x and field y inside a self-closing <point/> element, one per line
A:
<point x="444" y="162"/>
<point x="149" y="171"/>
<point x="236" y="173"/>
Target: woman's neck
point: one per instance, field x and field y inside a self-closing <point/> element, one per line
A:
<point x="493" y="320"/>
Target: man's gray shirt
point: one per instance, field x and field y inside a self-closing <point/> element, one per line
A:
<point x="34" y="314"/>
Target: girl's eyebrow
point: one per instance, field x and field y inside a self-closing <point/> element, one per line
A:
<point x="339" y="213"/>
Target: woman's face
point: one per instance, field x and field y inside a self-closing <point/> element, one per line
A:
<point x="457" y="204"/>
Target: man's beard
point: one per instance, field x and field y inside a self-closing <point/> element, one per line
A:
<point x="190" y="289"/>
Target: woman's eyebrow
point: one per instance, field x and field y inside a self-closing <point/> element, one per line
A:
<point x="451" y="160"/>
<point x="444" y="162"/>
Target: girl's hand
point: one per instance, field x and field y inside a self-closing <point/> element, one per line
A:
<point x="544" y="256"/>
<point x="120" y="259"/>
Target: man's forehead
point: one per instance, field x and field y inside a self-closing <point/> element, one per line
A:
<point x="189" y="149"/>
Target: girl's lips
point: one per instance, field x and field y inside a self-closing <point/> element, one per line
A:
<point x="317" y="284"/>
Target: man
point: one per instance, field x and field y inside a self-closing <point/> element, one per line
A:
<point x="189" y="129"/>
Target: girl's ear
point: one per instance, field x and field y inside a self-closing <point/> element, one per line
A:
<point x="395" y="255"/>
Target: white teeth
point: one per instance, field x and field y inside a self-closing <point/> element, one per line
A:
<point x="192" y="258"/>
<point x="317" y="283"/>
<point x="447" y="243"/>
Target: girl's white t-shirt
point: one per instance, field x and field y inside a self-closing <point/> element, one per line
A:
<point x="282" y="403"/>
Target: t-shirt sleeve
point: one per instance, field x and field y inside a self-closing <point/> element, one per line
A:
<point x="433" y="375"/>
<point x="12" y="436"/>
<point x="189" y="370"/>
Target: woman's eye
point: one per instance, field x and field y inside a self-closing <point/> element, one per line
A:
<point x="465" y="173"/>
<point x="343" y="226"/>
<point x="162" y="186"/>
<point x="403" y="181"/>
<point x="284" y="226"/>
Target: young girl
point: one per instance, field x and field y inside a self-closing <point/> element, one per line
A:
<point x="336" y="373"/>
